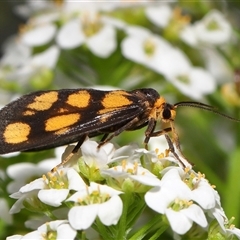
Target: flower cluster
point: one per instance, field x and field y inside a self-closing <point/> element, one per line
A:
<point x="72" y="26"/>
<point x="128" y="182"/>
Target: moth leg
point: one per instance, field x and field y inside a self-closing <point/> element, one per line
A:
<point x="150" y="129"/>
<point x="172" y="149"/>
<point x="170" y="142"/>
<point x="104" y="137"/>
<point x="75" y="149"/>
<point x="107" y="138"/>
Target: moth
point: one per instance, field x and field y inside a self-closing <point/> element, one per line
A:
<point x="47" y="119"/>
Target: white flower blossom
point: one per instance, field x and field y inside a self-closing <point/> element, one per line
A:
<point x="59" y="229"/>
<point x="32" y="66"/>
<point x="145" y="48"/>
<point x="98" y="157"/>
<point x="174" y="199"/>
<point x="95" y="201"/>
<point x="195" y="82"/>
<point x="89" y="30"/>
<point x="67" y="179"/>
<point x="213" y="29"/>
<point x="16" y="53"/>
<point x="51" y="190"/>
<point x="133" y="173"/>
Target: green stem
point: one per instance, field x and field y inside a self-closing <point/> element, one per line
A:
<point x="123" y="220"/>
<point x="161" y="225"/>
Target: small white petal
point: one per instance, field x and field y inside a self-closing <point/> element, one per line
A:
<point x="39" y="35"/>
<point x="32" y="235"/>
<point x="204" y="195"/>
<point x="92" y="155"/>
<point x="34" y="185"/>
<point x="138" y="32"/>
<point x="77" y="195"/>
<point x="48" y="58"/>
<point x="104" y="189"/>
<point x="174" y="62"/>
<point x="53" y="197"/>
<point x="220" y="216"/>
<point x="65" y="231"/>
<point x="146" y="180"/>
<point x="189" y="36"/>
<point x="70" y="35"/>
<point x="159" y="15"/>
<point x="75" y="181"/>
<point x="82" y="217"/>
<point x="14" y="170"/>
<point x="97" y="43"/>
<point x="178" y="221"/>
<point x="14" y="237"/>
<point x="110" y="211"/>
<point x="4" y="213"/>
<point x="158" y="199"/>
<point x="195" y="213"/>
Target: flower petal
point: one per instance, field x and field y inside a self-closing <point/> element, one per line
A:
<point x="70" y="35"/>
<point x="53" y="197"/>
<point x="178" y="221"/>
<point x="97" y="43"/>
<point x="110" y="211"/>
<point x="39" y="35"/>
<point x="82" y="217"/>
<point x="195" y="213"/>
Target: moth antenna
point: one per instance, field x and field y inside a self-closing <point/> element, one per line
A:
<point x="204" y="107"/>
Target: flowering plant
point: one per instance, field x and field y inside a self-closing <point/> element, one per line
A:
<point x="107" y="196"/>
<point x="183" y="50"/>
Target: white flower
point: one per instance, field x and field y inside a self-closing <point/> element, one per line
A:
<point x="154" y="52"/>
<point x="195" y="82"/>
<point x="95" y="201"/>
<point x="30" y="170"/>
<point x="97" y="157"/>
<point x="145" y="48"/>
<point x="233" y="231"/>
<point x="16" y="53"/>
<point x="203" y="193"/>
<point x="59" y="229"/>
<point x="217" y="65"/>
<point x="129" y="176"/>
<point x="34" y="66"/>
<point x="51" y="190"/>
<point x="59" y="185"/>
<point x="44" y="60"/>
<point x="89" y="30"/>
<point x="159" y="15"/>
<point x="106" y="154"/>
<point x="39" y="35"/>
<point x="173" y="198"/>
<point x="212" y="29"/>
